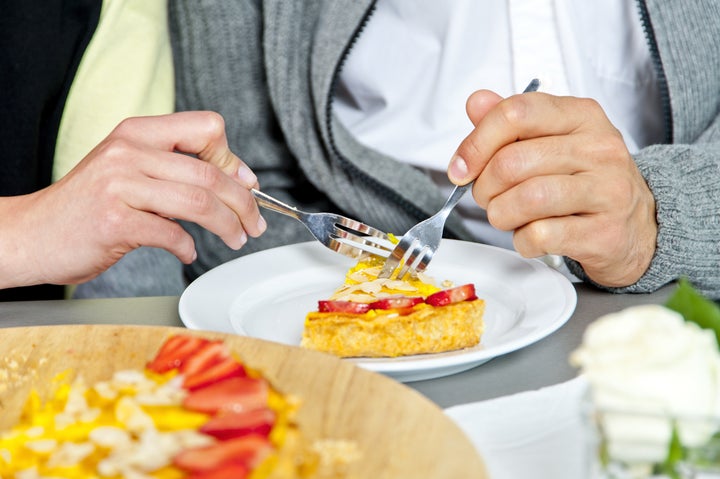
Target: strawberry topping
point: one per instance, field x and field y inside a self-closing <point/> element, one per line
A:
<point x="352" y="307"/>
<point x="458" y="294"/>
<point x="396" y="302"/>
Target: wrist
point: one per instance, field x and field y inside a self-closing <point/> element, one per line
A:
<point x="15" y="244"/>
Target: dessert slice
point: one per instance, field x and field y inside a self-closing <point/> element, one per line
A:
<point x="373" y="317"/>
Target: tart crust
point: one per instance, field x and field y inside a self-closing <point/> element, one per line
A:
<point x="392" y="333"/>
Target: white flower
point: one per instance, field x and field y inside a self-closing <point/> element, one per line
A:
<point x="648" y="359"/>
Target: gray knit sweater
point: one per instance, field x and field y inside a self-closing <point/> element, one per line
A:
<point x="269" y="67"/>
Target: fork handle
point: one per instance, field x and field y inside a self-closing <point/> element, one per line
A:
<point x="267" y="201"/>
<point x="457" y="193"/>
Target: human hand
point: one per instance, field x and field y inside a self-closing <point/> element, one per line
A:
<point x="126" y="193"/>
<point x="557" y="172"/>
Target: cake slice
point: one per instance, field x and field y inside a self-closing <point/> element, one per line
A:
<point x="372" y="317"/>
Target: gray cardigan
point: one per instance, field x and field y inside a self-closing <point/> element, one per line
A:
<point x="269" y="67"/>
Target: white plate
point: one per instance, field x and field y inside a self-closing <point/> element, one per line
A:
<point x="266" y="295"/>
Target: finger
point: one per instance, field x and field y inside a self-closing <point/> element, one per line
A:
<point x="519" y="117"/>
<point x="181" y="169"/>
<point x="522" y="160"/>
<point x="542" y="198"/>
<point x="585" y="237"/>
<point x="594" y="241"/>
<point x="123" y="228"/>
<point x="155" y="231"/>
<point x="479" y="103"/>
<point x="188" y="202"/>
<point x="200" y="133"/>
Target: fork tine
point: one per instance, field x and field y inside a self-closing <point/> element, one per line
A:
<point x="416" y="260"/>
<point x="354" y="226"/>
<point x="389" y="267"/>
<point x="396" y="265"/>
<point x="373" y="243"/>
<point x="379" y="239"/>
<point x="423" y="260"/>
<point x="396" y="258"/>
<point x="352" y="249"/>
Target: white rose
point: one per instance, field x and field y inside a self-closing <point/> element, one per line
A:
<point x="648" y="359"/>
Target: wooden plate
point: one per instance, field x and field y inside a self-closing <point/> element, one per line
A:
<point x="400" y="432"/>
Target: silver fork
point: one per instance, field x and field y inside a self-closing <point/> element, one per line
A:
<point x="416" y="248"/>
<point x="418" y="245"/>
<point x="339" y="233"/>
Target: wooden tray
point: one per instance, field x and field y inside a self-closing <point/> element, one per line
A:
<point x="400" y="432"/>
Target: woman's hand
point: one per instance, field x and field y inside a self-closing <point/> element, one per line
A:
<point x="556" y="171"/>
<point x="126" y="193"/>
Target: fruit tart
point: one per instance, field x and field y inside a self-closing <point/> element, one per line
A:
<point x="372" y="317"/>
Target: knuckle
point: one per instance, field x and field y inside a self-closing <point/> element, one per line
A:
<point x="471" y="148"/>
<point x="507" y="165"/>
<point x="126" y="127"/>
<point x="117" y="149"/>
<point x="208" y="175"/>
<point x="514" y="111"/>
<point x="213" y="123"/>
<point x="175" y="234"/>
<point x="606" y="150"/>
<point x="180" y="240"/>
<point x="589" y="104"/>
<point x="529" y="240"/>
<point x="200" y="201"/>
<point x="497" y="218"/>
<point x="113" y="225"/>
<point x="538" y="235"/>
<point x="535" y="194"/>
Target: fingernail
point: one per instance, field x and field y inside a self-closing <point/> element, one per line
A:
<point x="458" y="169"/>
<point x="194" y="256"/>
<point x="262" y="224"/>
<point x="242" y="240"/>
<point x="247" y="176"/>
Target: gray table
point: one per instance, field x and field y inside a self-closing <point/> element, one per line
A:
<point x="541" y="364"/>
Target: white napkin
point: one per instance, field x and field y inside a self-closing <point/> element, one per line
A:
<point x="536" y="434"/>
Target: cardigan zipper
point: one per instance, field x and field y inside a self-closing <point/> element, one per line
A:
<point x="361" y="176"/>
<point x="660" y="71"/>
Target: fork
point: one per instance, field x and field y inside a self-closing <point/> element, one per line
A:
<point x="416" y="248"/>
<point x="339" y="233"/>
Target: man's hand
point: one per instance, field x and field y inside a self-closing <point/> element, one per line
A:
<point x="557" y="172"/>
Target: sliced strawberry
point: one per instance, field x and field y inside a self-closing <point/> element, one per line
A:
<point x="208" y="354"/>
<point x="343" y="307"/>
<point x="247" y="451"/>
<point x="225" y="369"/>
<point x="175" y="351"/>
<point x="234" y="394"/>
<point x="231" y="424"/>
<point x="228" y="471"/>
<point x="396" y="302"/>
<point x="458" y="294"/>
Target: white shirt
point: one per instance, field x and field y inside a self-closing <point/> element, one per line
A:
<point x="404" y="86"/>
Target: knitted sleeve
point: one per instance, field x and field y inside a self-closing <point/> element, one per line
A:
<point x="685" y="180"/>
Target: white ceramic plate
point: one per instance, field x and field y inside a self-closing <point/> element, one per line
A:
<point x="266" y="295"/>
